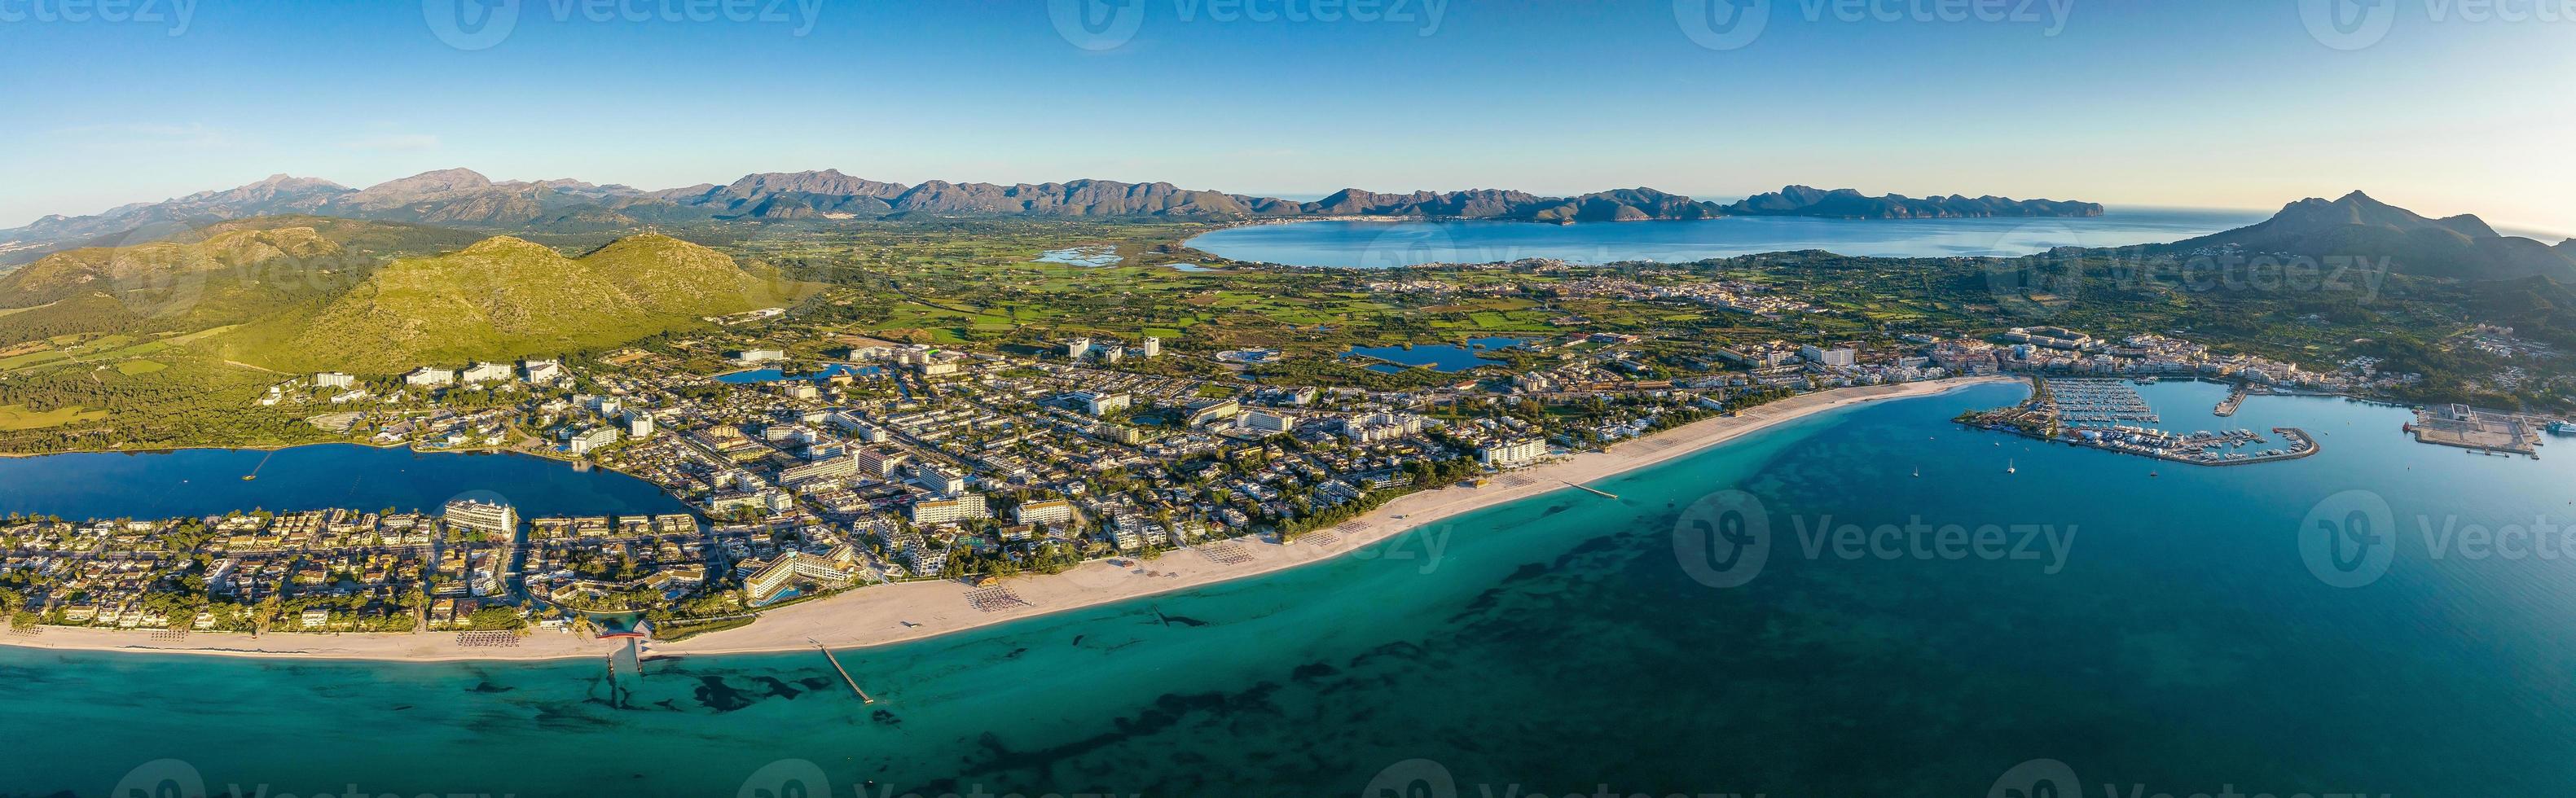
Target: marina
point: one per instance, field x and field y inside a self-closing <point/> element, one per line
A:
<point x="2089" y="413"/>
<point x="2083" y="401"/>
<point x="2199" y="448"/>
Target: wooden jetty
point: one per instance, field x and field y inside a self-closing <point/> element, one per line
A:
<point x="1590" y="488"/>
<point x="845" y="672"/>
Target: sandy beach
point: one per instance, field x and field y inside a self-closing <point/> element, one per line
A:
<point x="885" y="614"/>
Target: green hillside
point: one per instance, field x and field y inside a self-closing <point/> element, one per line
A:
<point x="506" y="298"/>
<point x="220" y="274"/>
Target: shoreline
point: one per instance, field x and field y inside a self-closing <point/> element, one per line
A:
<point x="880" y="615"/>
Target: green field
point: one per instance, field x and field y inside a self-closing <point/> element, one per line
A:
<point x="18" y="417"/>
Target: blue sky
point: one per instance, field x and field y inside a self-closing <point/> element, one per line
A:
<point x="2208" y="103"/>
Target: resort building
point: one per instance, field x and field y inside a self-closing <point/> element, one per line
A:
<point x="949" y="511"/>
<point x="878" y="462"/>
<point x="1844" y="356"/>
<point x="482" y="516"/>
<point x="827" y="468"/>
<point x="1101" y="404"/>
<point x="429" y="377"/>
<point x="1377" y="427"/>
<point x="586" y="441"/>
<point x="1048" y="511"/>
<point x="487" y="372"/>
<point x="774" y="577"/>
<point x="1512" y="453"/>
<point x="543" y="372"/>
<point x="1259" y="421"/>
<point x="1205" y="412"/>
<point x="938" y="480"/>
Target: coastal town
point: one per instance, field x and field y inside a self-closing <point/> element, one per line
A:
<point x="857" y="461"/>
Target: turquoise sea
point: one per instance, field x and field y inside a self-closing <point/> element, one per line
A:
<point x="1377" y="245"/>
<point x="2164" y="633"/>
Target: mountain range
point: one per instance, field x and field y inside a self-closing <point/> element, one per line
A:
<point x="464" y="198"/>
<point x="2357" y="226"/>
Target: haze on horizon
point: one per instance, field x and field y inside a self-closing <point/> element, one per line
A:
<point x="2207" y="103"/>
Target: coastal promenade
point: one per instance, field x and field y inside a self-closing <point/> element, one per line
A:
<point x="915" y="610"/>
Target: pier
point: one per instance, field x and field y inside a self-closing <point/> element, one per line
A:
<point x="263" y="463"/>
<point x="2476" y="430"/>
<point x="1599" y="491"/>
<point x="2235" y="398"/>
<point x="845" y="672"/>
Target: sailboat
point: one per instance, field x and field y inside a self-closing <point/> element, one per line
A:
<point x="1918" y="471"/>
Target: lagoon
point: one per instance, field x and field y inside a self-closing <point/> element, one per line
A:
<point x="1374" y="244"/>
<point x="198" y="482"/>
<point x="1444" y="358"/>
<point x="2179" y="641"/>
<point x="768" y="375"/>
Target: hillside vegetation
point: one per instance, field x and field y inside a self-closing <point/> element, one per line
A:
<point x="506" y="298"/>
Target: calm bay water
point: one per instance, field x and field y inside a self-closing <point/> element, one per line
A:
<point x="2176" y="640"/>
<point x="1390" y="244"/>
<point x="209" y="481"/>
